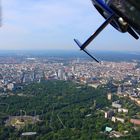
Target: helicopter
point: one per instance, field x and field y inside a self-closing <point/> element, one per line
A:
<point x="123" y="15"/>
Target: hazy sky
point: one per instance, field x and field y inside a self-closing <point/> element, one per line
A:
<point x="52" y="24"/>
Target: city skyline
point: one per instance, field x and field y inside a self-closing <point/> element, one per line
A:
<point x="52" y="25"/>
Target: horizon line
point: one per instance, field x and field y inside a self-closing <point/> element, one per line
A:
<point x="72" y="50"/>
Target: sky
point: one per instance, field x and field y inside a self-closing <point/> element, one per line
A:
<point x="53" y="24"/>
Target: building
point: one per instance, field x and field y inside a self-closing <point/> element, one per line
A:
<point x="123" y="110"/>
<point x="109" y="96"/>
<point x="29" y="133"/>
<point x="73" y="69"/>
<point x="115" y="134"/>
<point x="108" y="129"/>
<point x="119" y="90"/>
<point x="138" y="101"/>
<point x="109" y="114"/>
<point x="116" y="104"/>
<point x="94" y="85"/>
<point x="61" y="74"/>
<point x="10" y="86"/>
<point x="135" y="121"/>
<point x="120" y="120"/>
<point x="115" y="119"/>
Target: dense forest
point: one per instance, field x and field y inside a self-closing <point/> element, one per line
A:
<point x="67" y="111"/>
